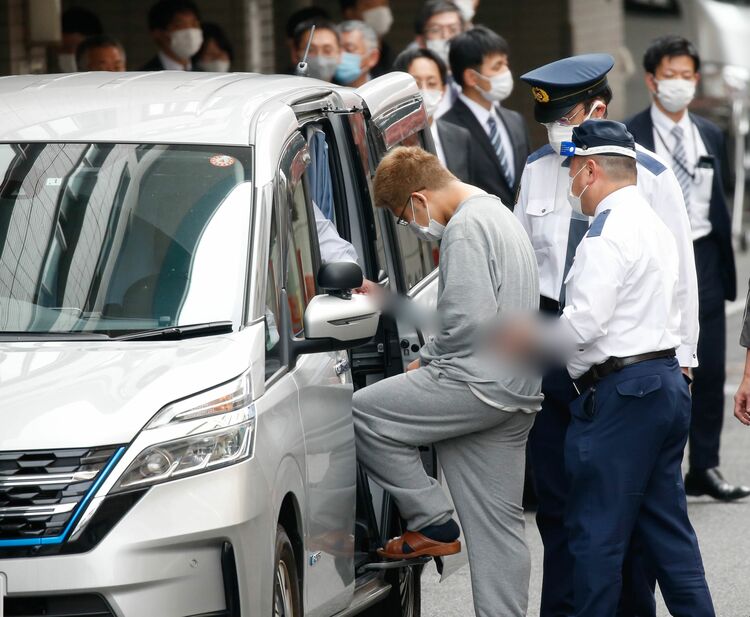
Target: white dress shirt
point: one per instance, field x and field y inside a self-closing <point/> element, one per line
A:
<point x="621" y="292"/>
<point x="452" y="91"/>
<point x="664" y="142"/>
<point x="173" y="65"/>
<point x="438" y="144"/>
<point x="483" y="115"/>
<point x="544" y="211"/>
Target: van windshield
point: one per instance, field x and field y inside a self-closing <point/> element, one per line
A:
<point x="116" y="238"/>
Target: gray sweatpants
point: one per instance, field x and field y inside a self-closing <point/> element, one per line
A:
<point x="482" y="451"/>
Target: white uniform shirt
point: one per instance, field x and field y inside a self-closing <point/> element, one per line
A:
<point x="173" y="65"/>
<point x="621" y="292"/>
<point x="664" y="142"/>
<point x="544" y="211"/>
<point x="483" y="115"/>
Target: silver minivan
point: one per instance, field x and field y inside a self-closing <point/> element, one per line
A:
<point x="177" y="363"/>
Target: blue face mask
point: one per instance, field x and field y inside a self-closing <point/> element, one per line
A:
<point x="348" y="69"/>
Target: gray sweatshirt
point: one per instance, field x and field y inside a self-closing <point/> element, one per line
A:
<point x="487" y="266"/>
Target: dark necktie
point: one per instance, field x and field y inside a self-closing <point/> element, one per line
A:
<point x="497" y="145"/>
<point x="681" y="167"/>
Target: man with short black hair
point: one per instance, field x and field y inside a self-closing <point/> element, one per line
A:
<point x="479" y="65"/>
<point x="77" y="25"/>
<point x="100" y="53"/>
<point x="696" y="149"/>
<point x="477" y="416"/>
<point x="175" y="27"/>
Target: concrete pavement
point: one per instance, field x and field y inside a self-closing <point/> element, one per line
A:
<point x="723" y="537"/>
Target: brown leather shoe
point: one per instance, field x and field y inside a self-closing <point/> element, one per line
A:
<point x="420" y="546"/>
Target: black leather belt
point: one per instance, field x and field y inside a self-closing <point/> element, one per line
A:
<point x="599" y="371"/>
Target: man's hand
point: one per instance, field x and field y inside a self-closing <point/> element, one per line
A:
<point x="369" y="287"/>
<point x="414" y="365"/>
<point x="742" y="398"/>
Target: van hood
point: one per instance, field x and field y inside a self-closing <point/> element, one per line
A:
<point x="80" y="394"/>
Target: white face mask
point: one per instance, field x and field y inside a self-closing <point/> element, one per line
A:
<point x="558" y="133"/>
<point x="675" y="94"/>
<point x="467" y="9"/>
<point x="434" y="230"/>
<point x="501" y="86"/>
<point x="185" y="43"/>
<point x="67" y="63"/>
<point x="379" y="19"/>
<point x="322" y="67"/>
<point x="431" y="100"/>
<point x="214" y="66"/>
<point x="441" y="47"/>
<point x="575" y="200"/>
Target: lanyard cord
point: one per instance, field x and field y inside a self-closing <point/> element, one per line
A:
<point x="676" y="162"/>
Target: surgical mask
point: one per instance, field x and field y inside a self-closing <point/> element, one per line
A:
<point x="434" y="230"/>
<point x="349" y="69"/>
<point x="322" y="67"/>
<point x="431" y="100"/>
<point x="501" y="85"/>
<point x="557" y="133"/>
<point x="214" y="66"/>
<point x="185" y="43"/>
<point x="575" y="200"/>
<point x="379" y="19"/>
<point x="675" y="94"/>
<point x="67" y="63"/>
<point x="467" y="9"/>
<point x="441" y="47"/>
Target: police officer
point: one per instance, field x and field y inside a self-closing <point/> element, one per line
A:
<point x="567" y="92"/>
<point x="630" y="422"/>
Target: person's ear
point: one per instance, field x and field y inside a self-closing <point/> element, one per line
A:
<point x="697" y="78"/>
<point x="600" y="110"/>
<point x="372" y="60"/>
<point x="470" y="78"/>
<point x="650" y="80"/>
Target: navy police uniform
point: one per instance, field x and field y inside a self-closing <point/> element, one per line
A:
<point x="555" y="232"/>
<point x="629" y="423"/>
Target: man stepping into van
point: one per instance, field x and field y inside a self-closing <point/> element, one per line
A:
<point x="451" y="396"/>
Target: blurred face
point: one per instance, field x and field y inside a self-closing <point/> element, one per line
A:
<point x="212" y="51"/>
<point x="425" y="72"/>
<point x="324" y="43"/>
<point x="443" y="26"/>
<point x="105" y="59"/>
<point x="354" y="43"/>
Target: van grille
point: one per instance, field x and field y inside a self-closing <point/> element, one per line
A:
<point x="88" y="605"/>
<point x="43" y="492"/>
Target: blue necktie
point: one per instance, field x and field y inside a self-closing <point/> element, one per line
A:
<point x="497" y="145"/>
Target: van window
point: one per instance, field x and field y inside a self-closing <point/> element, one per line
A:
<point x="114" y="238"/>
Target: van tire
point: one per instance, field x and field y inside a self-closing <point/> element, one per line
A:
<point x="286" y="587"/>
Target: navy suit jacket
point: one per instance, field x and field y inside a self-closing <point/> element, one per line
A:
<point x="642" y="128"/>
<point x="484" y="165"/>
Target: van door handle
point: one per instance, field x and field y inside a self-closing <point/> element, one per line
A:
<point x="342" y="367"/>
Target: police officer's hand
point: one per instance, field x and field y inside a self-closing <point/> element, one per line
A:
<point x="413" y="365"/>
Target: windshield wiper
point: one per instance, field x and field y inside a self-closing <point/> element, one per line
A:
<point x="173" y="333"/>
<point x="19" y="336"/>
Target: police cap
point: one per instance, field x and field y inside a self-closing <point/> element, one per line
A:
<point x="605" y="137"/>
<point x="559" y="86"/>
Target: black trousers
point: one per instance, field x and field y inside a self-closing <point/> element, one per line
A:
<point x="708" y="378"/>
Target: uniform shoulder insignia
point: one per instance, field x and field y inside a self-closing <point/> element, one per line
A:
<point x="598" y="225"/>
<point x="545" y="150"/>
<point x="649" y="162"/>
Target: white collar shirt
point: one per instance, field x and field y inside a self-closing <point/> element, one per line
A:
<point x="544" y="212"/>
<point x="452" y="91"/>
<point x="172" y="65"/>
<point x="438" y="144"/>
<point x="483" y="115"/>
<point x="621" y="292"/>
<point x="664" y="145"/>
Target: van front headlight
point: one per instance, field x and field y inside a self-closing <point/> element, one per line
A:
<point x="200" y="433"/>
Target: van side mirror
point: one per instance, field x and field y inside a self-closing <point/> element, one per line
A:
<point x="340" y="278"/>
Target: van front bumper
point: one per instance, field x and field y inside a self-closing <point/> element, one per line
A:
<point x="181" y="551"/>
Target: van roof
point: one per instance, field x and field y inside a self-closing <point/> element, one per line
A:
<point x="155" y="107"/>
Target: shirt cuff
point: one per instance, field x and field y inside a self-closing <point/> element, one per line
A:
<point x="687" y="356"/>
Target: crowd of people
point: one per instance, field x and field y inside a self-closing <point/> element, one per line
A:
<point x="619" y="231"/>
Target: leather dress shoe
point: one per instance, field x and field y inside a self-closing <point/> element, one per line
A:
<point x="710" y="482"/>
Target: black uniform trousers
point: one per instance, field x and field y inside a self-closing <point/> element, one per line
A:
<point x="710" y="374"/>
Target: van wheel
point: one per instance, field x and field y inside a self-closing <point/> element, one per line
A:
<point x="286" y="592"/>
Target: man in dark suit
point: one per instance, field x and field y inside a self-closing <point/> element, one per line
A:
<point x="175" y="26"/>
<point x="696" y="150"/>
<point x="479" y="64"/>
<point x="452" y="142"/>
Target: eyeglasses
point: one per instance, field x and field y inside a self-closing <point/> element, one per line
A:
<point x="446" y="32"/>
<point x="400" y="220"/>
<point x="568" y="120"/>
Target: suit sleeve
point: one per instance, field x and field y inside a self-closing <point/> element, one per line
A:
<point x="668" y="202"/>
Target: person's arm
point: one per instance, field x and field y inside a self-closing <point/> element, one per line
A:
<point x="333" y="247"/>
<point x="742" y="397"/>
<point x="667" y="201"/>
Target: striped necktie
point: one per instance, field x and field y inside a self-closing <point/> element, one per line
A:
<point x="497" y="145"/>
<point x="681" y="166"/>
